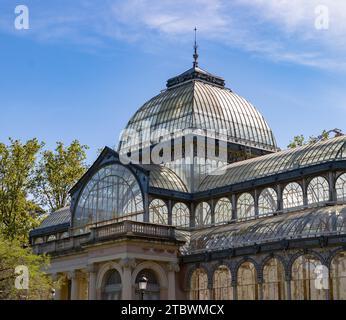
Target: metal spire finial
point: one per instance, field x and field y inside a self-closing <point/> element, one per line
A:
<point x="195" y="55"/>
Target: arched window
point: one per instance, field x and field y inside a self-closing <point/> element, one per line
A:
<point x="292" y="196"/>
<point x="199" y="285"/>
<point x="202" y="214"/>
<point x="223" y="211"/>
<point x="222" y="284"/>
<point x="112" y="193"/>
<point x="318" y="190"/>
<point x="305" y="270"/>
<point x="158" y="212"/>
<point x="340" y="187"/>
<point x="273" y="280"/>
<point x="181" y="215"/>
<point x="247" y="287"/>
<point x="111" y="287"/>
<point x="245" y="206"/>
<point x="338" y="277"/>
<point x="153" y="287"/>
<point x="267" y="202"/>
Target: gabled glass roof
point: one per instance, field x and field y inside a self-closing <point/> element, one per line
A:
<point x="193" y="103"/>
<point x="59" y="217"/>
<point x="304" y="224"/>
<point x="283" y="161"/>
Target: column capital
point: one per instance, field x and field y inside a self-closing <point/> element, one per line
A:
<point x="128" y="263"/>
<point x="91" y="268"/>
<point x="173" y="266"/>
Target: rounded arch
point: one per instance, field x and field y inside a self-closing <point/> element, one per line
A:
<point x="267" y="202"/>
<point x="337" y="275"/>
<point x="292" y="196"/>
<point x="101" y="275"/>
<point x="340" y="187"/>
<point x="274" y="285"/>
<point x="245" y="206"/>
<point x="111" y="285"/>
<point x="159" y="272"/>
<point x="199" y="284"/>
<point x="304" y="270"/>
<point x="222" y="283"/>
<point x="181" y="215"/>
<point x="247" y="280"/>
<point x="318" y="190"/>
<point x="223" y="211"/>
<point x="112" y="192"/>
<point x="202" y="214"/>
<point x="158" y="212"/>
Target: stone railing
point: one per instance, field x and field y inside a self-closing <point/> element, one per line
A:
<point x="105" y="231"/>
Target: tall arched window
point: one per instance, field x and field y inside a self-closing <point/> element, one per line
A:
<point x="340" y="187"/>
<point x="245" y="206"/>
<point x="223" y="211"/>
<point x="181" y="215"/>
<point x="305" y="270"/>
<point x="112" y="193"/>
<point x="338" y="277"/>
<point x="267" y="202"/>
<point x="199" y="285"/>
<point x="273" y="280"/>
<point x="292" y="196"/>
<point x="318" y="190"/>
<point x="202" y="214"/>
<point x="153" y="287"/>
<point x="111" y="287"/>
<point x="158" y="212"/>
<point x="247" y="287"/>
<point x="222" y="284"/>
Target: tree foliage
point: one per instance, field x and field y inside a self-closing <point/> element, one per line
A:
<point x="12" y="255"/>
<point x="300" y="140"/>
<point x="18" y="213"/>
<point x="57" y="172"/>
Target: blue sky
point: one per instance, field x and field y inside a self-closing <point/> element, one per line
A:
<point x="84" y="67"/>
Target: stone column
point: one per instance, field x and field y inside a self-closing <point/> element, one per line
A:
<point x="127" y="265"/>
<point x="73" y="276"/>
<point x="92" y="281"/>
<point x="173" y="268"/>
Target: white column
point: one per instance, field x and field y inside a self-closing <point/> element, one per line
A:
<point x="172" y="269"/>
<point x="73" y="276"/>
<point x="92" y="282"/>
<point x="127" y="265"/>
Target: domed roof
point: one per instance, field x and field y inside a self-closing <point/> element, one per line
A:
<point x="198" y="100"/>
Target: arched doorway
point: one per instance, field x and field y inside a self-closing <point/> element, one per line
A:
<point x="199" y="285"/>
<point x="273" y="280"/>
<point x="247" y="287"/>
<point x="153" y="288"/>
<point x="338" y="277"/>
<point x="111" y="287"/>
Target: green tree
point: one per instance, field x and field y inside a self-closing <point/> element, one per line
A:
<point x="57" y="172"/>
<point x="12" y="255"/>
<point x="300" y="140"/>
<point x="18" y="214"/>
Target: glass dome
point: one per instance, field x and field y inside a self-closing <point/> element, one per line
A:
<point x="197" y="100"/>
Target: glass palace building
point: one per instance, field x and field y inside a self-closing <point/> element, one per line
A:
<point x="246" y="221"/>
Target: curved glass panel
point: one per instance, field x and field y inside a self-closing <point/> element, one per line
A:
<point x="247" y="286"/>
<point x="340" y="187"/>
<point x="245" y="206"/>
<point x="274" y="280"/>
<point x="318" y="190"/>
<point x="278" y="162"/>
<point x="223" y="211"/>
<point x="158" y="212"/>
<point x="111" y="288"/>
<point x="267" y="202"/>
<point x="181" y="215"/>
<point x="292" y="196"/>
<point x="112" y="193"/>
<point x="202" y="214"/>
<point x="304" y="275"/>
<point x="199" y="285"/>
